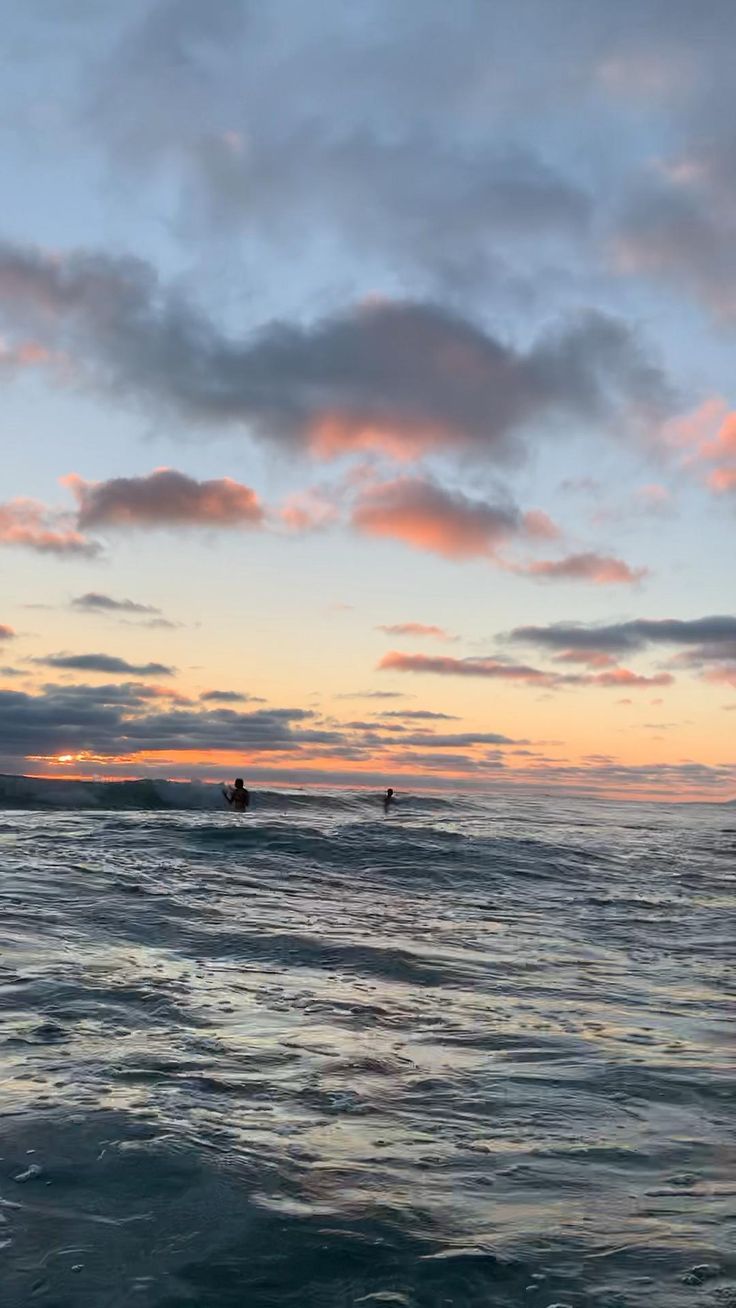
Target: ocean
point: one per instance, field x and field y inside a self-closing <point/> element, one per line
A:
<point x="477" y="1052"/>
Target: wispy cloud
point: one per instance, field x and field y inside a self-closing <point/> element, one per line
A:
<point x="96" y="602"/>
<point x="33" y="526"/>
<point x="497" y="669"/>
<point x="601" y="569"/>
<point x="229" y="697"/>
<point x="396" y="661"/>
<point x="419" y="629"/>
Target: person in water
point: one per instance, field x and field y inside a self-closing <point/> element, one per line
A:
<point x="237" y="796"/>
<point x="388" y="799"/>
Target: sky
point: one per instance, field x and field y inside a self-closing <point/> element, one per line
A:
<point x="368" y="407"/>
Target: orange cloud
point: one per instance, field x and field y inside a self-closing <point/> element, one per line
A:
<point x="333" y="434"/>
<point x="427" y="517"/>
<point x="6" y="632"/>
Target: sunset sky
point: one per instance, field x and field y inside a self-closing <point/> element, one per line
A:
<point x="369" y="407"/>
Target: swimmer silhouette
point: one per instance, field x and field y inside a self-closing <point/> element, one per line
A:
<point x="388" y="799"/>
<point x="237" y="796"/>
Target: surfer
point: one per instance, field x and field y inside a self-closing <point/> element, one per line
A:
<point x="237" y="796"/>
<point x="388" y="799"/>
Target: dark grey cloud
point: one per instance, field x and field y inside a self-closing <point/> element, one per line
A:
<point x="125" y="719"/>
<point x="97" y="602"/>
<point x="104" y="663"/>
<point x="718" y="632"/>
<point x="420" y="715"/>
<point x="373" y="694"/>
<point x="165" y="498"/>
<point x="408" y="374"/>
<point x="229" y="697"/>
<point x="459" y="739"/>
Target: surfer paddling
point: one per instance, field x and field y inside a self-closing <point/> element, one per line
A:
<point x="237" y="796"/>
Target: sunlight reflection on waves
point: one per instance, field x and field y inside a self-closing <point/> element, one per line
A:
<point x="316" y="1059"/>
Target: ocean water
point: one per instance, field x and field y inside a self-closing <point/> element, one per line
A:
<point x="476" y="1053"/>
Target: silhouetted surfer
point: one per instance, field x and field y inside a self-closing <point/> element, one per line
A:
<point x="388" y="799"/>
<point x="237" y="796"/>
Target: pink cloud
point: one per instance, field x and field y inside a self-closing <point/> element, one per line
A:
<point x="165" y="498"/>
<point x="32" y="525"/>
<point x="6" y="632"/>
<point x="624" y="677"/>
<point x="539" y="526"/>
<point x="601" y="569"/>
<point x="591" y="658"/>
<point x="653" y="496"/>
<point x="308" y="511"/>
<point x="707" y="436"/>
<point x="723" y="674"/>
<point x="419" y="629"/>
<point x="395" y="661"/>
<point x="427" y="517"/>
<point x="722" y="480"/>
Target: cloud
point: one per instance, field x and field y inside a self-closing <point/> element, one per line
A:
<point x="125" y="720"/>
<point x="497" y="669"/>
<point x="309" y="510"/>
<point x="104" y="663"/>
<point x="420" y="715"/>
<point x="165" y="498"/>
<point x="427" y="517"/>
<point x="398" y="375"/>
<point x="458" y="740"/>
<point x="229" y="697"/>
<point x="366" y="157"/>
<point x="395" y="661"/>
<point x="601" y="569"/>
<point x="623" y="678"/>
<point x="33" y="526"/>
<point x="418" y="629"/>
<point x="6" y="632"/>
<point x="706" y="439"/>
<point x="372" y="694"/>
<point x="96" y="602"/>
<point x="630" y="637"/>
<point x="592" y="658"/>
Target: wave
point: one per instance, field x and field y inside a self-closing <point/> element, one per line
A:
<point x="147" y="794"/>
